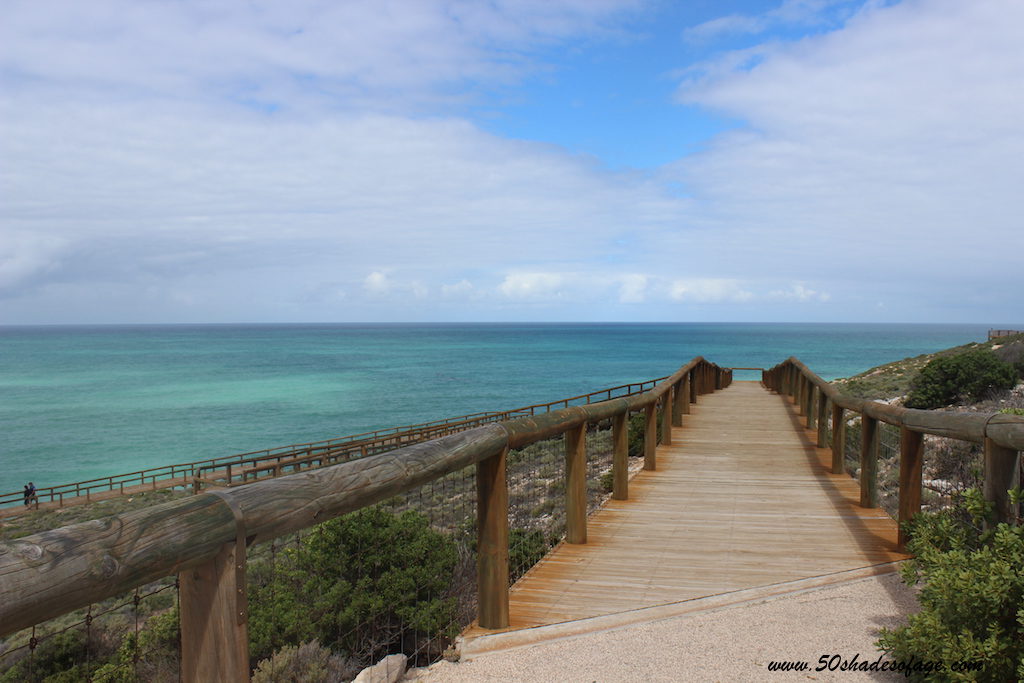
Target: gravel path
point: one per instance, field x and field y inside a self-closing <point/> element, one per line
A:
<point x="731" y="644"/>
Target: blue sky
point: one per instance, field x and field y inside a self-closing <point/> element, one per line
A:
<point x="624" y="160"/>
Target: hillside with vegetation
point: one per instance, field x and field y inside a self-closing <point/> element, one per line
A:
<point x="894" y="382"/>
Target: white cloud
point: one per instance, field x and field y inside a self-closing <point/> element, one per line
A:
<point x="632" y="290"/>
<point x="531" y="285"/>
<point x="189" y="161"/>
<point x="709" y="290"/>
<point x="799" y="292"/>
<point x="377" y="283"/>
<point x="461" y="289"/>
<point x="788" y="13"/>
<point x="886" y="152"/>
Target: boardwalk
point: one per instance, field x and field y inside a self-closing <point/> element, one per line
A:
<point x="742" y="499"/>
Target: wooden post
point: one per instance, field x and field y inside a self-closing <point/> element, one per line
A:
<point x="801" y="387"/>
<point x="822" y="420"/>
<point x="911" y="460"/>
<point x="492" y="541"/>
<point x="838" y="439"/>
<point x="677" y="403"/>
<point x="686" y="395"/>
<point x="666" y="418"/>
<point x="1002" y="473"/>
<point x="812" y="413"/>
<point x="576" y="484"/>
<point x="868" y="461"/>
<point x="620" y="459"/>
<point x="694" y="380"/>
<point x="650" y="436"/>
<point x="214" y="619"/>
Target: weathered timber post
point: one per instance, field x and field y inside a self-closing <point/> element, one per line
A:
<point x="620" y="459"/>
<point x="719" y="379"/>
<point x="822" y="419"/>
<point x="801" y="389"/>
<point x="492" y="541"/>
<point x="1002" y="473"/>
<point x="576" y="484"/>
<point x="838" y="439"/>
<point x="812" y="394"/>
<point x="214" y="614"/>
<point x="693" y="380"/>
<point x="868" y="461"/>
<point x="685" y="395"/>
<point x="650" y="436"/>
<point x="677" y="403"/>
<point x="666" y="417"/>
<point x="911" y="460"/>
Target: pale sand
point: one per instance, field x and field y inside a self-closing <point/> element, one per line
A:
<point x="730" y="644"/>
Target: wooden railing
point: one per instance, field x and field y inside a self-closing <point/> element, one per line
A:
<point x="244" y="467"/>
<point x="203" y="538"/>
<point x="1002" y="436"/>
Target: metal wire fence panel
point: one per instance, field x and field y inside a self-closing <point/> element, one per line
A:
<point x="950" y="467"/>
<point x="536" y="481"/>
<point x="133" y="637"/>
<point x="853" y="439"/>
<point x="889" y="468"/>
<point x="599" y="465"/>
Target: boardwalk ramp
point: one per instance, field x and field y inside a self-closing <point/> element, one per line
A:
<point x="742" y="505"/>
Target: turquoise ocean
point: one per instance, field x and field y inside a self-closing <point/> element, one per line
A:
<point x="83" y="402"/>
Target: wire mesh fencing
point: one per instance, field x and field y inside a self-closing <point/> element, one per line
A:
<point x="888" y="473"/>
<point x="851" y="454"/>
<point x="133" y="637"/>
<point x="950" y="467"/>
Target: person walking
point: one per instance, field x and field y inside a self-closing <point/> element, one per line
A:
<point x="30" y="495"/>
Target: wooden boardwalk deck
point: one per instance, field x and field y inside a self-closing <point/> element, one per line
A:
<point x="742" y="499"/>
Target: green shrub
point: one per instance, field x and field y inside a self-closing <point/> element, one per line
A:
<point x="635" y="434"/>
<point x="525" y="548"/>
<point x="152" y="656"/>
<point x="967" y="376"/>
<point x="308" y="663"/>
<point x="358" y="584"/>
<point x="972" y="598"/>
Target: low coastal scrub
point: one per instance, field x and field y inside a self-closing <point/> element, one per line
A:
<point x="972" y="593"/>
<point x="964" y="377"/>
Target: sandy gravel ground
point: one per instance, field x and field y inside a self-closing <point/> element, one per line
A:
<point x="731" y="644"/>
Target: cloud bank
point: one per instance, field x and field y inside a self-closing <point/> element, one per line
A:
<point x="219" y="162"/>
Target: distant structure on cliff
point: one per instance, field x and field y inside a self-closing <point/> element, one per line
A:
<point x="992" y="334"/>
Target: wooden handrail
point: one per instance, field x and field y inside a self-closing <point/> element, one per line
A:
<point x="51" y="573"/>
<point x="1005" y="430"/>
